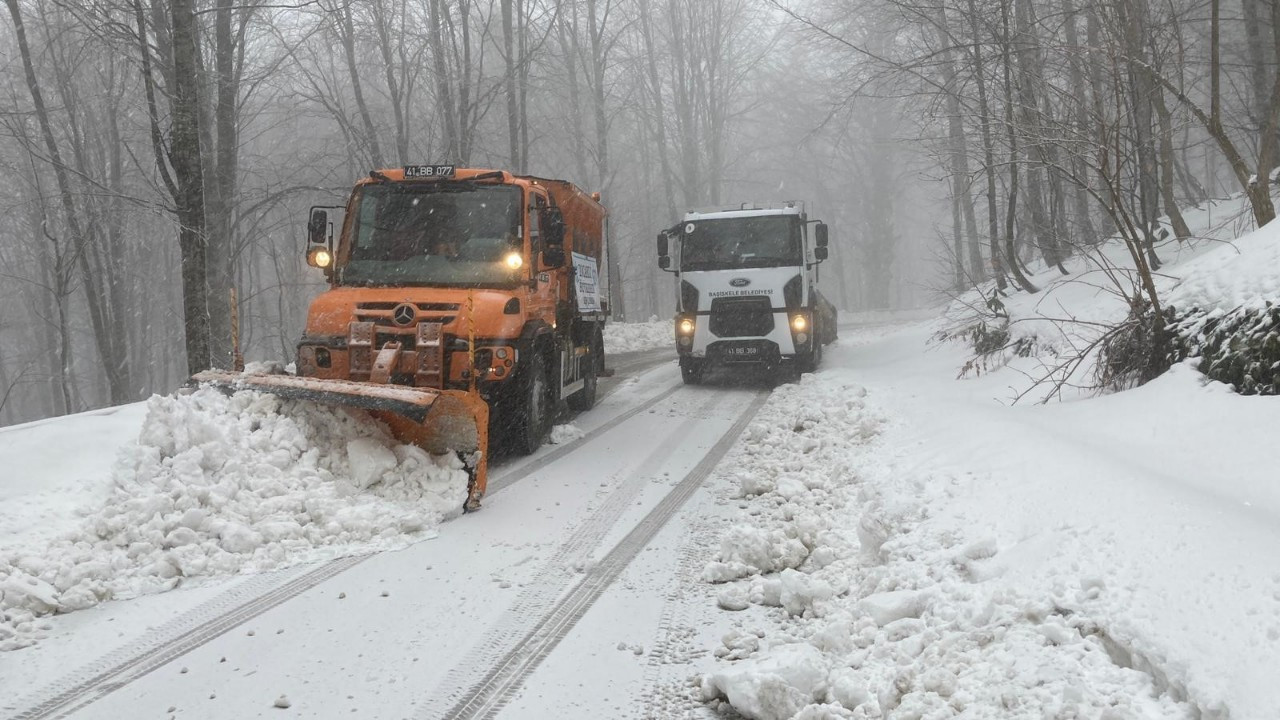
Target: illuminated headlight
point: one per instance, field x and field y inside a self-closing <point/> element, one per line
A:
<point x="320" y="257"/>
<point x="685" y="326"/>
<point x="514" y="261"/>
<point x="799" y="323"/>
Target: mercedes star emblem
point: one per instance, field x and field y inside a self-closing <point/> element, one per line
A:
<point x="404" y="314"/>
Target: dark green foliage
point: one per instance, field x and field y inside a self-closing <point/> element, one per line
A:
<point x="992" y="345"/>
<point x="987" y="339"/>
<point x="1240" y="348"/>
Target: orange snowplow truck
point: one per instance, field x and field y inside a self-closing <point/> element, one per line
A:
<point x="462" y="303"/>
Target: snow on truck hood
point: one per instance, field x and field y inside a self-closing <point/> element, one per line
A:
<point x="219" y="484"/>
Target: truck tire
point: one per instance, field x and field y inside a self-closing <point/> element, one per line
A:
<point x="585" y="399"/>
<point x="809" y="362"/>
<point x="532" y="408"/>
<point x="691" y="370"/>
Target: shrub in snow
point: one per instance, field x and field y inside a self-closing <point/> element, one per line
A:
<point x="222" y="484"/>
<point x="1135" y="351"/>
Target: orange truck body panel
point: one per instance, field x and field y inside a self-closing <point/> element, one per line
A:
<point x="461" y="345"/>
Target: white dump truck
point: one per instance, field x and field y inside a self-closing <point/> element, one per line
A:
<point x="747" y="289"/>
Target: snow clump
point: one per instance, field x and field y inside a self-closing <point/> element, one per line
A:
<point x="218" y="485"/>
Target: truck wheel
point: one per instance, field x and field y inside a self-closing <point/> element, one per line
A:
<point x="691" y="370"/>
<point x="810" y="361"/>
<point x="532" y="407"/>
<point x="585" y="399"/>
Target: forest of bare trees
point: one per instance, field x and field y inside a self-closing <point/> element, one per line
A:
<point x="157" y="155"/>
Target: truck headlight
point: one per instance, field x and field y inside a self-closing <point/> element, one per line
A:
<point x="799" y="323"/>
<point x="320" y="257"/>
<point x="685" y="326"/>
<point x="514" y="261"/>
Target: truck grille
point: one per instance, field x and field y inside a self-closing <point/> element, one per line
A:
<point x="741" y="317"/>
<point x="386" y="329"/>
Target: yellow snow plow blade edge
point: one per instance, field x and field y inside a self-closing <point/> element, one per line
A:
<point x="437" y="421"/>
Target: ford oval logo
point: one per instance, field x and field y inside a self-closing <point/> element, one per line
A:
<point x="740" y="282"/>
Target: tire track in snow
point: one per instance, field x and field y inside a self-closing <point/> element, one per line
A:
<point x="669" y="681"/>
<point x="487" y="696"/>
<point x="560" y="569"/>
<point x="174" y="639"/>
<point x="235" y="606"/>
<point x="507" y="477"/>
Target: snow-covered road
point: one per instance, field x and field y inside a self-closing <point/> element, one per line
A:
<point x="875" y="541"/>
<point x="447" y="628"/>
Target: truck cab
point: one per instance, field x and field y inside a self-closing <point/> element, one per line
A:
<point x="747" y="289"/>
<point x="464" y="279"/>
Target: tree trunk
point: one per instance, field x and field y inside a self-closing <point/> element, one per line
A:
<point x="184" y="155"/>
<point x="659" y="110"/>
<point x="567" y="34"/>
<point x="1167" y="160"/>
<point x="691" y="180"/>
<point x="1079" y="121"/>
<point x="959" y="155"/>
<point x="1259" y="60"/>
<point x="347" y="35"/>
<point x="513" y="106"/>
<point x="448" y="109"/>
<point x="988" y="150"/>
<point x="1010" y="236"/>
<point x="599" y="65"/>
<point x="1028" y="61"/>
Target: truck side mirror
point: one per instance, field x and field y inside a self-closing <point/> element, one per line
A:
<point x="318" y="227"/>
<point x="319" y="252"/>
<point x="820" y="234"/>
<point x="820" y="253"/>
<point x="664" y="257"/>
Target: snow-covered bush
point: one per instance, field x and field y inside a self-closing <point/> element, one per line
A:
<point x="1240" y="348"/>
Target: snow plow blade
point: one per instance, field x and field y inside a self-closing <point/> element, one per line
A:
<point x="438" y="421"/>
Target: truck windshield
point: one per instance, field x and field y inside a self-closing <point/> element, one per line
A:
<point x="433" y="234"/>
<point x="749" y="242"/>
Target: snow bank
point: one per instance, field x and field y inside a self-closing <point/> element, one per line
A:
<point x="218" y="485"/>
<point x="634" y="337"/>
<point x="859" y="598"/>
<point x="1243" y="275"/>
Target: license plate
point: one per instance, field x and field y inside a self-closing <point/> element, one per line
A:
<point x="427" y="171"/>
<point x="742" y="351"/>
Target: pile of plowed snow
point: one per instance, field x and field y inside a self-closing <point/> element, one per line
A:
<point x="855" y="602"/>
<point x="221" y="484"/>
<point x="634" y="337"/>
